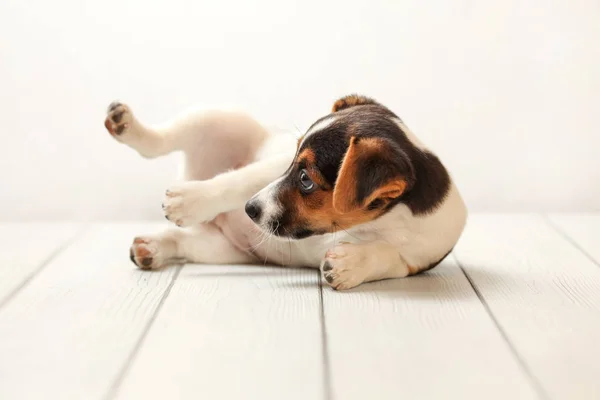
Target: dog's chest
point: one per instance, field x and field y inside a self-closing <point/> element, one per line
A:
<point x="246" y="236"/>
<point x="238" y="229"/>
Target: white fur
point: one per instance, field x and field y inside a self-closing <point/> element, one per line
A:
<point x="266" y="197"/>
<point x="411" y="136"/>
<point x="319" y="126"/>
<point x="229" y="157"/>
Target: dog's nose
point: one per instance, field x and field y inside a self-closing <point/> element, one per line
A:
<point x="253" y="210"/>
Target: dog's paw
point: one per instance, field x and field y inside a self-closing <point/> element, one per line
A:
<point x="145" y="253"/>
<point x="343" y="267"/>
<point x="190" y="203"/>
<point x="119" y="120"/>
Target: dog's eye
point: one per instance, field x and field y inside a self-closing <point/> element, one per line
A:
<point x="306" y="184"/>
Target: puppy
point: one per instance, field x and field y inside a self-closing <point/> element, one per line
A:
<point x="358" y="196"/>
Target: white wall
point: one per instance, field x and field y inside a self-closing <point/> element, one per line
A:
<point x="507" y="92"/>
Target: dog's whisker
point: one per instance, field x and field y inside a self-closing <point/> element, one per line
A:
<point x="349" y="234"/>
<point x="267" y="253"/>
<point x="289" y="243"/>
<point x="271" y="232"/>
<point x="298" y="129"/>
<point x="277" y="243"/>
<point x="264" y="235"/>
<point x="261" y="239"/>
<point x="334" y="234"/>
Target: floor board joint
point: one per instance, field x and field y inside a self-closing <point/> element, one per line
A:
<point x="569" y="239"/>
<point x="59" y="249"/>
<point x="526" y="370"/>
<point x="112" y="392"/>
<point x="325" y="347"/>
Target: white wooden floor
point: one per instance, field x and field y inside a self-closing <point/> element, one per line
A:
<point x="514" y="313"/>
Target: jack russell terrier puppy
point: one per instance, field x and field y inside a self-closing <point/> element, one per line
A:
<point x="358" y="196"/>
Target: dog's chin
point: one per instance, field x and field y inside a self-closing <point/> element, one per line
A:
<point x="295" y="234"/>
<point x="282" y="232"/>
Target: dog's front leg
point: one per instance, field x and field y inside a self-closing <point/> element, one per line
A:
<point x="194" y="202"/>
<point x="348" y="265"/>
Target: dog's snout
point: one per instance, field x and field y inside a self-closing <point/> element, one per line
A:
<point x="253" y="210"/>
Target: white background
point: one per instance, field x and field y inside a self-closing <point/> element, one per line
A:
<point x="506" y="92"/>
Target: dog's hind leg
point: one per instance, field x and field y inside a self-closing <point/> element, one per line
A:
<point x="201" y="244"/>
<point x="213" y="141"/>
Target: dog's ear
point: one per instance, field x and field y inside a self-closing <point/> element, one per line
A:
<point x="350" y="101"/>
<point x="374" y="171"/>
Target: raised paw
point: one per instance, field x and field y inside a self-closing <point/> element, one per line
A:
<point x="145" y="253"/>
<point x="118" y="119"/>
<point x="190" y="203"/>
<point x="343" y="267"/>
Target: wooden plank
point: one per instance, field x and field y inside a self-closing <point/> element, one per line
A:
<point x="544" y="293"/>
<point x="423" y="337"/>
<point x="24" y="249"/>
<point x="70" y="331"/>
<point x="583" y="229"/>
<point x="233" y="332"/>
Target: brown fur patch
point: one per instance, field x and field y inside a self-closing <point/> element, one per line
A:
<point x="316" y="212"/>
<point x="390" y="190"/>
<point x="345" y="196"/>
<point x="142" y="252"/>
<point x="325" y="210"/>
<point x="351" y="101"/>
<point x="307" y="156"/>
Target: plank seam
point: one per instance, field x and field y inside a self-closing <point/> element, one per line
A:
<point x="541" y="392"/>
<point x="325" y="346"/>
<point x="59" y="249"/>
<point x="569" y="239"/>
<point x="114" y="388"/>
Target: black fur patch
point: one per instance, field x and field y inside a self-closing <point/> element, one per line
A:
<point x="432" y="184"/>
<point x="375" y="204"/>
<point x="329" y="147"/>
<point x="303" y="233"/>
<point x="428" y="181"/>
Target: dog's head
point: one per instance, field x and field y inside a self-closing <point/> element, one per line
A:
<point x="351" y="167"/>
